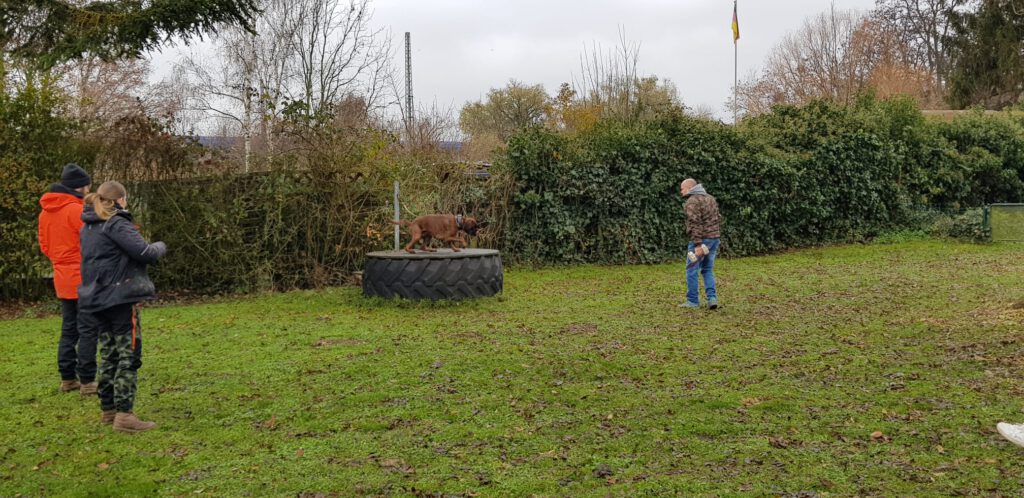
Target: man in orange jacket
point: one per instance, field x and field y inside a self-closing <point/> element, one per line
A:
<point x="59" y="225"/>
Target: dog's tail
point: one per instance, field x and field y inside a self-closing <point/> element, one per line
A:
<point x="402" y="223"/>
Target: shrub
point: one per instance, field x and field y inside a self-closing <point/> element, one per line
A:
<point x="35" y="143"/>
<point x="799" y="176"/>
<point x="970" y="226"/>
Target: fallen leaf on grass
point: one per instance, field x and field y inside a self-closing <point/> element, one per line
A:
<point x="299" y="452"/>
<point x="103" y="466"/>
<point x="396" y="465"/>
<point x="326" y="342"/>
<point x="549" y="454"/>
<point x="579" y="328"/>
<point x="269" y="424"/>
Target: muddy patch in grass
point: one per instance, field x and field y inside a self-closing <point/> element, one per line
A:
<point x="327" y="342"/>
<point x="579" y="328"/>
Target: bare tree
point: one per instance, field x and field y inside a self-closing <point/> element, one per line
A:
<point x="836" y="56"/>
<point x="923" y="26"/>
<point x="337" y="54"/>
<point x="306" y="58"/>
<point x="272" y="52"/>
<point x="611" y="82"/>
<point x="224" y="87"/>
<point x="102" y="92"/>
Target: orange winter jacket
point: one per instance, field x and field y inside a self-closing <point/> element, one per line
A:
<point x="59" y="225"/>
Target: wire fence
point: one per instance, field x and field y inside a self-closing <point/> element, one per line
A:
<point x="1006" y="222"/>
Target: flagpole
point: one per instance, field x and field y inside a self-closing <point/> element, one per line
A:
<point x="735" y="70"/>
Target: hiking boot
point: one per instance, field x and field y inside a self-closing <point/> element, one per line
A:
<point x="88" y="389"/>
<point x="688" y="305"/>
<point x="128" y="422"/>
<point x="712" y="304"/>
<point x="1013" y="433"/>
<point x="67" y="386"/>
<point x="107" y="417"/>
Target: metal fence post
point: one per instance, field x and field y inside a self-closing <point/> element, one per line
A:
<point x="397" y="217"/>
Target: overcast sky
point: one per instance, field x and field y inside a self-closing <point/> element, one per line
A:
<point x="462" y="48"/>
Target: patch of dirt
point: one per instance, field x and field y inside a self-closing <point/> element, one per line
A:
<point x="13" y="310"/>
<point x="987" y="316"/>
<point x="579" y="328"/>
<point x="327" y="342"/>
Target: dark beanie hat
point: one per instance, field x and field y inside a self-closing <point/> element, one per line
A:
<point x="74" y="176"/>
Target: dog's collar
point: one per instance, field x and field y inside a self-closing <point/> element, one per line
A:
<point x="458" y="221"/>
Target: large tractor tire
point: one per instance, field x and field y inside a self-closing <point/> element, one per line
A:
<point x="444" y="274"/>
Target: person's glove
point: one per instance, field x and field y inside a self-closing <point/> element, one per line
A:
<point x="159" y="248"/>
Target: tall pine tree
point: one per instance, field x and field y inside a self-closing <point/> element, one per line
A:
<point x="987" y="52"/>
<point x="51" y="31"/>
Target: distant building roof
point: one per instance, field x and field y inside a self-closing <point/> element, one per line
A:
<point x="450" y="145"/>
<point x="215" y="142"/>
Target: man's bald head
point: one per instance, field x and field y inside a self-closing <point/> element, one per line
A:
<point x="684" y="188"/>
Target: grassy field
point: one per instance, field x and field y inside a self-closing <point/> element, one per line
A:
<point x="875" y="370"/>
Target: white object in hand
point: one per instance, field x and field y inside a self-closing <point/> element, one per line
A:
<point x="692" y="256"/>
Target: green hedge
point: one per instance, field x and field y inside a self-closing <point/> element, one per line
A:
<point x="800" y="176"/>
<point x="35" y="143"/>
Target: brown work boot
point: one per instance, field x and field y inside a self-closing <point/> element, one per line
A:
<point x="107" y="418"/>
<point x="67" y="386"/>
<point x="128" y="422"/>
<point x="88" y="389"/>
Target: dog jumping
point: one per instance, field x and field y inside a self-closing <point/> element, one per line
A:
<point x="444" y="227"/>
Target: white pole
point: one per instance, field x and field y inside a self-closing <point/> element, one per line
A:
<point x="397" y="217"/>
<point x="735" y="68"/>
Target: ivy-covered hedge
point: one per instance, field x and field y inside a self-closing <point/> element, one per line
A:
<point x="800" y="176"/>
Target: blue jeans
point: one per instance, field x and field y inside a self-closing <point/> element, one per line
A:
<point x="705" y="267"/>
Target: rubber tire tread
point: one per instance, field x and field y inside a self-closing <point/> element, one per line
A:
<point x="434" y="279"/>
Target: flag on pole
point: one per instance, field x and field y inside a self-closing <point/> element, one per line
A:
<point x="735" y="24"/>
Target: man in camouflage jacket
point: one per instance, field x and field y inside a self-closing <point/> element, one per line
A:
<point x="703" y="226"/>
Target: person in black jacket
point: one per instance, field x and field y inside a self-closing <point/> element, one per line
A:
<point x="114" y="281"/>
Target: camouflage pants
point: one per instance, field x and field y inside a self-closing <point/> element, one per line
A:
<point x="120" y="341"/>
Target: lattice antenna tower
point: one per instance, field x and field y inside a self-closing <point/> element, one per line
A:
<point x="409" y="109"/>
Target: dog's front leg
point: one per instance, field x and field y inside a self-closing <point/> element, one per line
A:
<point x="453" y="242"/>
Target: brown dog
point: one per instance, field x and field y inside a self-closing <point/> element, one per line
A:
<point x="443" y="227"/>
